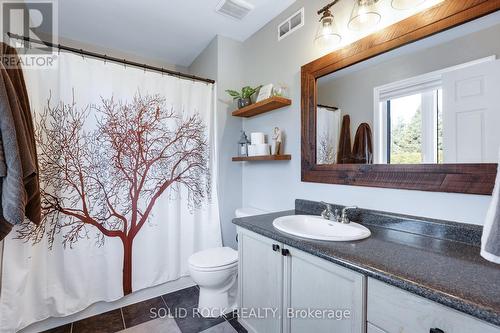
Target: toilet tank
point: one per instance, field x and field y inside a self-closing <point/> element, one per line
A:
<point x="249" y="211"/>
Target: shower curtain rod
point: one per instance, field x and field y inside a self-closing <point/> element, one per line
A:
<point x="108" y="58"/>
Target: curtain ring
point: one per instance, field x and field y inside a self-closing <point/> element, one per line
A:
<point x="125" y="63"/>
<point x="144" y="66"/>
<point x="105" y="59"/>
<point x="162" y="71"/>
<point x="58" y="49"/>
<point x="81" y="53"/>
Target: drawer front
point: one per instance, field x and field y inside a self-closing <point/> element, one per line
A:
<point x="397" y="311"/>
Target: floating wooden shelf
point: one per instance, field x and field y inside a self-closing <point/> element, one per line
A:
<point x="263" y="158"/>
<point x="266" y="105"/>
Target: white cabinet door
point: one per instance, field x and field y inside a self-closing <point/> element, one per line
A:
<point x="322" y="297"/>
<point x="260" y="279"/>
<point x="471" y="114"/>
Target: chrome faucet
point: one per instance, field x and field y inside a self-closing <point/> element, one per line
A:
<point x="329" y="214"/>
<point x="344" y="219"/>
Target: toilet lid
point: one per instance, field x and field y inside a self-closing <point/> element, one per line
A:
<point x="216" y="257"/>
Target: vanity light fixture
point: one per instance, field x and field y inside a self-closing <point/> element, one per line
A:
<point x="406" y="4"/>
<point x="364" y="15"/>
<point x="327" y="35"/>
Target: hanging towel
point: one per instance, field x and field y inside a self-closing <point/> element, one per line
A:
<point x="13" y="194"/>
<point x="3" y="166"/>
<point x="344" y="151"/>
<point x="362" y="151"/>
<point x="27" y="146"/>
<point x="490" y="241"/>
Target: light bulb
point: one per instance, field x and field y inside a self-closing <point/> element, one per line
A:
<point x="327" y="36"/>
<point x="364" y="15"/>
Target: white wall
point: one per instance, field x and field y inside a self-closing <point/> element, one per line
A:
<point x="275" y="185"/>
<point x="222" y="61"/>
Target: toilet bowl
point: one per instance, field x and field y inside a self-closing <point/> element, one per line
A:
<point x="215" y="271"/>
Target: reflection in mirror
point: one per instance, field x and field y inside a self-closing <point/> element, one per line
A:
<point x="328" y="134"/>
<point x="434" y="101"/>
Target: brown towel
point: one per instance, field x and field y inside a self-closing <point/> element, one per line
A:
<point x="362" y="151"/>
<point x="27" y="145"/>
<point x="13" y="194"/>
<point x="5" y="228"/>
<point x="3" y="166"/>
<point x="344" y="151"/>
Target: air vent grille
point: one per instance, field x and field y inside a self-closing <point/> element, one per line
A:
<point x="291" y="24"/>
<point x="237" y="9"/>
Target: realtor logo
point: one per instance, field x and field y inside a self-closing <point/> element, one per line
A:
<point x="32" y="21"/>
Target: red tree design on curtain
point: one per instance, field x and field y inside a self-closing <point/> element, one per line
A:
<point x="111" y="177"/>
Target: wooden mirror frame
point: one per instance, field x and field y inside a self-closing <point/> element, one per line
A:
<point x="459" y="178"/>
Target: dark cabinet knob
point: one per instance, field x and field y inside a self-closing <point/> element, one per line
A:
<point x="436" y="330"/>
<point x="285" y="252"/>
<point x="276" y="247"/>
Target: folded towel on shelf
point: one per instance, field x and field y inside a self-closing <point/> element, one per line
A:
<point x="13" y="197"/>
<point x="490" y="241"/>
<point x="27" y="145"/>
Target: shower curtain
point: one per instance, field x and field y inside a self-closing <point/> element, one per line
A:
<point x="128" y="178"/>
<point x="328" y="132"/>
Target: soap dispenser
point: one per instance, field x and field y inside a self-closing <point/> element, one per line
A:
<point x="243" y="145"/>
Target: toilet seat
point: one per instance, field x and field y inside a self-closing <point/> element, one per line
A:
<point x="214" y="269"/>
<point x="214" y="259"/>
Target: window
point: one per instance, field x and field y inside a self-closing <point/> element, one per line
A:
<point x="408" y="118"/>
<point x="414" y="128"/>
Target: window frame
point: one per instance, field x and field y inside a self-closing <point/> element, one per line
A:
<point x="402" y="88"/>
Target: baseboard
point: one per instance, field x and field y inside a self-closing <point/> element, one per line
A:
<point x="101" y="307"/>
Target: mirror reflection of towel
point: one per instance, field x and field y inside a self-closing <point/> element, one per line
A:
<point x="490" y="241"/>
<point x="362" y="151"/>
<point x="344" y="151"/>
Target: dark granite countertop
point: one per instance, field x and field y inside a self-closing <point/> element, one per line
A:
<point x="448" y="272"/>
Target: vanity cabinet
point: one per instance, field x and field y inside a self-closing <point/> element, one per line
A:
<point x="308" y="294"/>
<point x="392" y="310"/>
<point x="285" y="290"/>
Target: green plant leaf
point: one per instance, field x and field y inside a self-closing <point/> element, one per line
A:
<point x="246" y="92"/>
<point x="234" y="94"/>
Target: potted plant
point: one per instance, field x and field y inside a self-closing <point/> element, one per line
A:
<point x="243" y="97"/>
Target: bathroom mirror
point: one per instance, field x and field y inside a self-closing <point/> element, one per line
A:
<point x="414" y="106"/>
<point x="434" y="101"/>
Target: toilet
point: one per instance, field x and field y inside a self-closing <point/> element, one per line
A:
<point x="215" y="271"/>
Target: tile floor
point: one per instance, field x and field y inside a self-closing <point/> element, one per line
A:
<point x="150" y="317"/>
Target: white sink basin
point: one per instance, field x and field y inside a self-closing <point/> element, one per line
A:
<point x="313" y="227"/>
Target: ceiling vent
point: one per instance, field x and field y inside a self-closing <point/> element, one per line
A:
<point x="237" y="9"/>
<point x="291" y="24"/>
